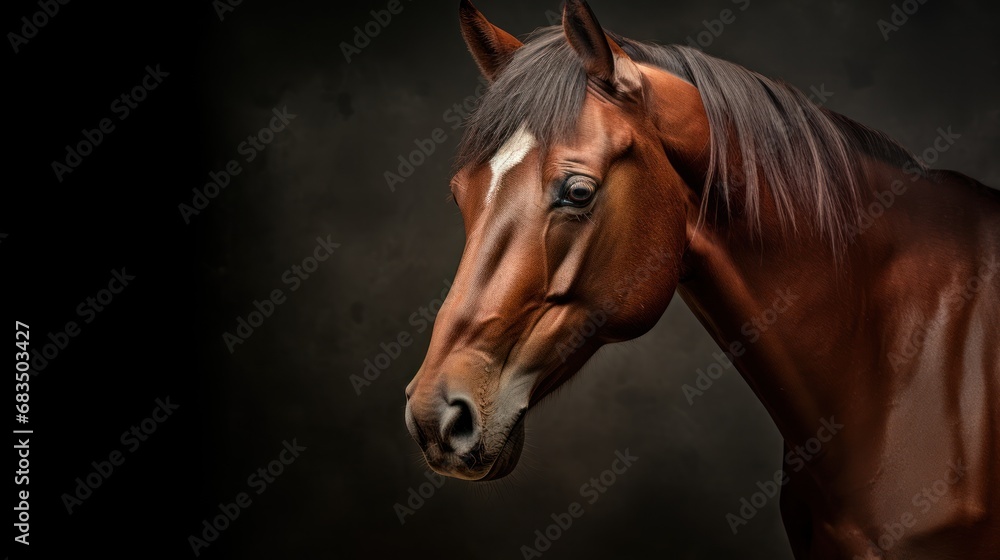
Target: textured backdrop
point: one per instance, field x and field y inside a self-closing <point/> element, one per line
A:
<point x="341" y="109"/>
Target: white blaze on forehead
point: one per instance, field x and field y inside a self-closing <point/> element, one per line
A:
<point x="511" y="154"/>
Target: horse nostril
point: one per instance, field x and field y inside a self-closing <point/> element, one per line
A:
<point x="458" y="430"/>
<point x="463" y="425"/>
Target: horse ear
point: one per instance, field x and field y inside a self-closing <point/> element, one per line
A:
<point x="602" y="58"/>
<point x="491" y="47"/>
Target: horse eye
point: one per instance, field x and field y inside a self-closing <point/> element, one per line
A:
<point x="579" y="191"/>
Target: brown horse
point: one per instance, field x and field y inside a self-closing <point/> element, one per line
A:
<point x="599" y="175"/>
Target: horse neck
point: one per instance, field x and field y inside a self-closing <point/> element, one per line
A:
<point x="783" y="314"/>
<point x="777" y="302"/>
<point x="810" y="330"/>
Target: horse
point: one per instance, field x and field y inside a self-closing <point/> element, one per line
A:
<point x="600" y="175"/>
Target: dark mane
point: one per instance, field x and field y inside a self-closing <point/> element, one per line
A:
<point x="807" y="156"/>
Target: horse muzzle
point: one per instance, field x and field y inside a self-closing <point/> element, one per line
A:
<point x="459" y="439"/>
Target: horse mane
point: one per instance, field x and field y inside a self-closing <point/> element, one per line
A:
<point x="809" y="157"/>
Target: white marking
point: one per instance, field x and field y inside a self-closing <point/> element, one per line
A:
<point x="511" y="154"/>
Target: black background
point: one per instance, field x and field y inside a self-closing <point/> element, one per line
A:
<point x="324" y="176"/>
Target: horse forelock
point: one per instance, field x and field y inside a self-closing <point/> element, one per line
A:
<point x="806" y="155"/>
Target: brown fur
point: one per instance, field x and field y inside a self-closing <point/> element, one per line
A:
<point x="895" y="337"/>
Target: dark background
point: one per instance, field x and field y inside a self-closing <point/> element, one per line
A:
<point x="324" y="177"/>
